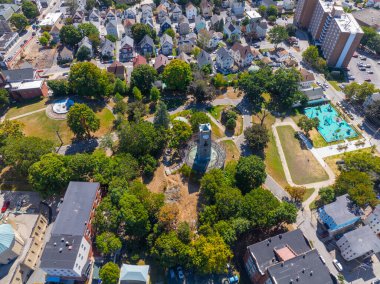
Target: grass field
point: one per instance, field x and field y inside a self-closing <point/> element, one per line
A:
<point x="335" y="85"/>
<point x="309" y="192"/>
<point x="232" y="152"/>
<point x="303" y="167"/>
<point x="272" y="158"/>
<point x="25" y="107"/>
<point x="216" y="111"/>
<point x="39" y="125"/>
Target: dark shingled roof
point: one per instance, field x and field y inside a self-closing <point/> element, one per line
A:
<point x="304" y="269"/>
<point x="264" y="251"/>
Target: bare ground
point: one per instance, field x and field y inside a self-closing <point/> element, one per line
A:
<point x="230" y="93"/>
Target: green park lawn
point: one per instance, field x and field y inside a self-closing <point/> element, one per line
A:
<point x="25" y="107"/>
<point x="303" y="167"/>
<point x="232" y="152"/>
<point x="216" y="111"/>
<point x="335" y="85"/>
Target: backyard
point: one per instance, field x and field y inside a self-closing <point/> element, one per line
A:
<point x="303" y="167"/>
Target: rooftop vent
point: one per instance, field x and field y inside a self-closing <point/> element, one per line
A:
<point x="60" y="250"/>
<point x="55" y="244"/>
<point x="70" y="247"/>
<point x="311" y="273"/>
<point x="62" y="240"/>
<point x="67" y="243"/>
<point x="303" y="270"/>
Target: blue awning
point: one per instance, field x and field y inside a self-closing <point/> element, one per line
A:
<point x="53" y="279"/>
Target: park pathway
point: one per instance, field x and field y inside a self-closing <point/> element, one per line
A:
<point x="23" y="115"/>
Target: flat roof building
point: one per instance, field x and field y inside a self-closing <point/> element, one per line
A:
<point x="50" y="20"/>
<point x="368" y="17"/>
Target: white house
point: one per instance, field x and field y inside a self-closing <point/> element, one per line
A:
<point x="191" y="11"/>
<point x="231" y="30"/>
<point x="224" y="60"/>
<point x="307" y="79"/>
<point x="242" y="54"/>
<point x="166" y="42"/>
<point x="112" y="28"/>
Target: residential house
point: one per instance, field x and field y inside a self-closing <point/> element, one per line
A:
<point x="146" y="11"/>
<point x="280" y="55"/>
<point x="256" y="54"/>
<point x="86" y="43"/>
<point x="160" y="62"/>
<point x="54" y="32"/>
<point x="68" y="252"/>
<point x="361" y="242"/>
<point x="65" y="55"/>
<point x="166" y="24"/>
<point x="259" y="29"/>
<point x="11" y="244"/>
<point x="78" y="16"/>
<point x="191" y="11"/>
<point x="107" y="49"/>
<point x="139" y="60"/>
<point x="209" y="39"/>
<point x="186" y="44"/>
<point x="7" y="40"/>
<point x="307" y="78"/>
<point x="373" y="219"/>
<point x="24" y="73"/>
<point x="339" y="216"/>
<point x="183" y="26"/>
<point x="167" y="45"/>
<point x="217" y="23"/>
<point x="4" y="27"/>
<point x="146" y="45"/>
<point x="285" y="258"/>
<point x="24" y="90"/>
<point x="206" y="8"/>
<point x="224" y="60"/>
<point x="162" y="13"/>
<point x="204" y="58"/>
<point x="112" y="28"/>
<point x="242" y="55"/>
<point x="200" y="24"/>
<point x="232" y="31"/>
<point x="216" y="37"/>
<point x="94" y="16"/>
<point x="111" y="15"/>
<point x="176" y="13"/>
<point x="237" y="8"/>
<point x="126" y="48"/>
<point x="129" y="14"/>
<point x="128" y="23"/>
<point x="148" y="21"/>
<point x="7" y="10"/>
<point x="184" y="57"/>
<point x="136" y="274"/>
<point x="289" y="5"/>
<point x="118" y="70"/>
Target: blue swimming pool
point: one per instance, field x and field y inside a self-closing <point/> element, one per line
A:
<point x="331" y="126"/>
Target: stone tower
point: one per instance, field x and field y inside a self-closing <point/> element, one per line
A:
<point x="204" y="143"/>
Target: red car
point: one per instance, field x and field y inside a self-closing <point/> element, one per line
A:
<point x="5" y="206"/>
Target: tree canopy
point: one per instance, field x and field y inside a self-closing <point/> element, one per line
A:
<point x="143" y="77"/>
<point x="277" y="34"/>
<point x="70" y="35"/>
<point x="257" y="137"/>
<point x="109" y="273"/>
<point x="198" y="118"/>
<point x="29" y="9"/>
<point x="19" y="21"/>
<point x="161" y="117"/>
<point x="82" y="120"/>
<point x="139" y="30"/>
<point x="307" y="124"/>
<point x="359" y="92"/>
<point x="250" y="173"/>
<point x="177" y="75"/>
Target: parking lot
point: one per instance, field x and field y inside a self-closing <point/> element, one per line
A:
<point x="361" y="75"/>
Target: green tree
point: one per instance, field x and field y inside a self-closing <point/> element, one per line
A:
<point x="201" y="90"/>
<point x="70" y="35"/>
<point x="83" y="53"/>
<point x="349" y="180"/>
<point x="136" y="94"/>
<point x="363" y="195"/>
<point x="120" y="87"/>
<point x="22" y="152"/>
<point x="4" y="98"/>
<point x="277" y="35"/>
<point x="327" y="195"/>
<point x="177" y="75"/>
<point x="112" y="38"/>
<point x="155" y="94"/>
<point x="359" y="92"/>
<point x="19" y="21"/>
<point x="211" y="183"/>
<point x="11" y="129"/>
<point x="60" y="87"/>
<point x="108" y="243"/>
<point x="228" y="201"/>
<point x="87" y="29"/>
<point x="262" y="10"/>
<point x="272" y="11"/>
<point x="291" y="29"/>
<point x="310" y="55"/>
<point x="250" y="173"/>
<point x="296" y="192"/>
<point x="161" y="117"/>
<point x="256" y="137"/>
<point x="109" y="273"/>
<point x="307" y="124"/>
<point x="180" y="133"/>
<point x="43" y="41"/>
<point x="362" y="162"/>
<point x="210" y="254"/>
<point x="49" y="175"/>
<point x="143" y="77"/>
<point x="140" y="30"/>
<point x="218" y="81"/>
<point x="170" y="32"/>
<point x="198" y="118"/>
<point x="86" y="79"/>
<point x="29" y="9"/>
<point x="82" y="120"/>
<point x="184" y="232"/>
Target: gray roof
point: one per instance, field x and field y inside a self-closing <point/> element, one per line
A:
<point x="341" y="211"/>
<point x="313" y="93"/>
<point x="166" y="38"/>
<point x="16" y="75"/>
<point x="177" y="9"/>
<point x="134" y="273"/>
<point x="183" y="20"/>
<point x="304" y="269"/>
<point x="4" y="27"/>
<point x="368" y="17"/>
<point x="264" y="253"/>
<point x="203" y="58"/>
<point x="126" y="40"/>
<point x="7" y="10"/>
<point x="215" y="19"/>
<point x="107" y="46"/>
<point x="7" y="38"/>
<point x="361" y="240"/>
<point x="76" y="208"/>
<point x="223" y="53"/>
<point x="166" y="20"/>
<point x="146" y="40"/>
<point x="85" y="42"/>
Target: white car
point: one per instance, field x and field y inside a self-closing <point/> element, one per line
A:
<point x="338" y="266"/>
<point x="370" y="72"/>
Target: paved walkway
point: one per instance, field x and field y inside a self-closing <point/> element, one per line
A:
<point x="25" y="114"/>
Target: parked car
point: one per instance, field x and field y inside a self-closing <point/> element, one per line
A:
<point x="378" y="62"/>
<point x="338" y="266"/>
<point x="368" y="80"/>
<point x="351" y="78"/>
<point x="256" y="45"/>
<point x="370" y="72"/>
<point x="362" y="57"/>
<point x="362" y="69"/>
<point x="180" y="273"/>
<point x="368" y="66"/>
<point x="355" y="55"/>
<point x="322" y="259"/>
<point x="5" y="206"/>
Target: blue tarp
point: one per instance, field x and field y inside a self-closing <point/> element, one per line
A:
<point x="53" y="279"/>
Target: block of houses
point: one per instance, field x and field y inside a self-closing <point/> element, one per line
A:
<point x="339" y="216"/>
<point x="4" y="27"/>
<point x="127" y="24"/>
<point x="242" y="55"/>
<point x="167" y="45"/>
<point x="183" y="26"/>
<point x="359" y="243"/>
<point x="191" y="11"/>
<point x="7" y="40"/>
<point x="112" y="28"/>
<point x="237" y="8"/>
<point x="224" y="60"/>
<point x="231" y="30"/>
<point x="67" y="254"/>
<point x="285" y="258"/>
<point x="162" y="13"/>
<point x="107" y="49"/>
<point x="200" y="24"/>
<point x="86" y="43"/>
<point x="206" y="8"/>
<point x="7" y="10"/>
<point x="94" y="16"/>
<point x="217" y="23"/>
<point x="204" y="58"/>
<point x="307" y="78"/>
<point x="160" y="62"/>
<point x="11" y="244"/>
<point x="176" y="13"/>
<point x="126" y="51"/>
<point x="137" y="274"/>
<point x="139" y="60"/>
<point x="118" y="70"/>
<point x="146" y="46"/>
<point x="166" y="24"/>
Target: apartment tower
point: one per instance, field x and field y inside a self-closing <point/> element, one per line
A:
<point x="336" y="32"/>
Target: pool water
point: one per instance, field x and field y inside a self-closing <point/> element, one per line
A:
<point x="331" y="126"/>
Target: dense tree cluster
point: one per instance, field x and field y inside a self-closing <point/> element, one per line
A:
<point x="311" y="56"/>
<point x="358" y="93"/>
<point x="371" y="39"/>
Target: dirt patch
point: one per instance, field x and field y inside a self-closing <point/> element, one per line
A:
<point x="38" y="56"/>
<point x="230" y="93"/>
<point x="177" y="190"/>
